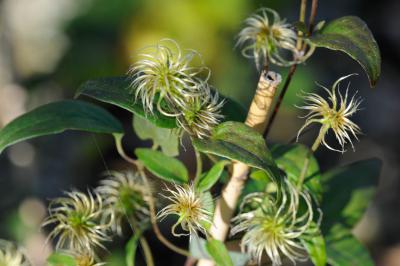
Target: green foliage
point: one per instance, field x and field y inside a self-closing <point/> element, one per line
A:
<point x="290" y="158"/>
<point x="198" y="250"/>
<point x="352" y="36"/>
<point x="218" y="252"/>
<point x="166" y="138"/>
<point x="347" y="192"/>
<point x="59" y="259"/>
<point x="208" y="179"/>
<point x="238" y="142"/>
<point x="316" y="248"/>
<point x="343" y="249"/>
<point x="57" y="117"/>
<point x="167" y="168"/>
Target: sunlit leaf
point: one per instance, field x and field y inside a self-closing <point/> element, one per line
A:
<point x="208" y="179"/>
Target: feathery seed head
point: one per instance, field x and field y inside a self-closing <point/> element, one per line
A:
<point x="333" y="113"/>
<point x="124" y="195"/>
<point x="202" y="113"/>
<point x="265" y="36"/>
<point x="11" y="255"/>
<point x="276" y="226"/>
<point x="166" y="73"/>
<point x="78" y="221"/>
<point x="191" y="207"/>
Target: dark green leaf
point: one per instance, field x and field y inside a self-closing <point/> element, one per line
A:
<point x="131" y="248"/>
<point x="164" y="167"/>
<point x="316" y="249"/>
<point x="347" y="192"/>
<point x="290" y="158"/>
<point x="197" y="248"/>
<point x="352" y="36"/>
<point x="59" y="259"/>
<point x="218" y="252"/>
<point x="57" y="117"/>
<point x="343" y="249"/>
<point x="207" y="180"/>
<point x="238" y="142"/>
<point x="166" y="138"/>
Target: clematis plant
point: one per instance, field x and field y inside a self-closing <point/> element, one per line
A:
<point x="267" y="201"/>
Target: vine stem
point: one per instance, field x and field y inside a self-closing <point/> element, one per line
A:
<point x="293" y="68"/>
<point x="143" y="243"/>
<point x="199" y="164"/>
<point x="307" y="160"/>
<point x="257" y="119"/>
<point x="153" y="216"/>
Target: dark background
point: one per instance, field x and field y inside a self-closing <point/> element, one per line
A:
<point x="48" y="48"/>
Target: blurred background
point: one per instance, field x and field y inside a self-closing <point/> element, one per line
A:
<point x="49" y="47"/>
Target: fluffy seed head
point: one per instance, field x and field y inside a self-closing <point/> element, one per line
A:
<point x="124" y="195"/>
<point x="202" y="113"/>
<point x="11" y="255"/>
<point x="265" y="36"/>
<point x="191" y="207"/>
<point x="78" y="221"/>
<point x="333" y="113"/>
<point x="165" y="72"/>
<point x="276" y="226"/>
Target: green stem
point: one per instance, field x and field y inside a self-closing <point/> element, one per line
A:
<point x="199" y="164"/>
<point x="307" y="160"/>
<point x="147" y="251"/>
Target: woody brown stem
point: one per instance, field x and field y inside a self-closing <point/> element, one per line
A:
<point x="257" y="119"/>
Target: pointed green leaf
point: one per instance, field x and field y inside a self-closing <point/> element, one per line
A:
<point x="238" y="142"/>
<point x="316" y="248"/>
<point x="59" y="259"/>
<point x="343" y="249"/>
<point x="166" y="138"/>
<point x="352" y="36"/>
<point x="164" y="167"/>
<point x="347" y="192"/>
<point x="207" y="180"/>
<point x="57" y="117"/>
<point x="218" y="252"/>
<point x="290" y="158"/>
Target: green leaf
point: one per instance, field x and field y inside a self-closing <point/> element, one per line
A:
<point x="59" y="259"/>
<point x="316" y="249"/>
<point x="343" y="249"/>
<point x="352" y="36"/>
<point x="198" y="250"/>
<point x="166" y="138"/>
<point x="57" y="117"/>
<point x="207" y="180"/>
<point x="238" y="142"/>
<point x="218" y="252"/>
<point x="290" y="158"/>
<point x="347" y="192"/>
<point x="131" y="248"/>
<point x="164" y="167"/>
<point x="116" y="91"/>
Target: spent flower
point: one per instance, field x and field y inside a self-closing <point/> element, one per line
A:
<point x="192" y="208"/>
<point x="125" y="197"/>
<point x="266" y="36"/>
<point x="333" y="113"/>
<point x="276" y="225"/>
<point x="78" y="221"/>
<point x="165" y="74"/>
<point x="11" y="255"/>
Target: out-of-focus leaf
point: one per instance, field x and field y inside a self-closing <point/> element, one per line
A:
<point x="347" y="192"/>
<point x="59" y="259"/>
<point x="197" y="248"/>
<point x="57" y="117"/>
<point x="343" y="249"/>
<point x="352" y="36"/>
<point x="166" y="138"/>
<point x="164" y="167"/>
<point x="316" y="248"/>
<point x="208" y="179"/>
<point x="238" y="142"/>
<point x="131" y="248"/>
<point x="218" y="252"/>
<point x="116" y="91"/>
<point x="290" y="158"/>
